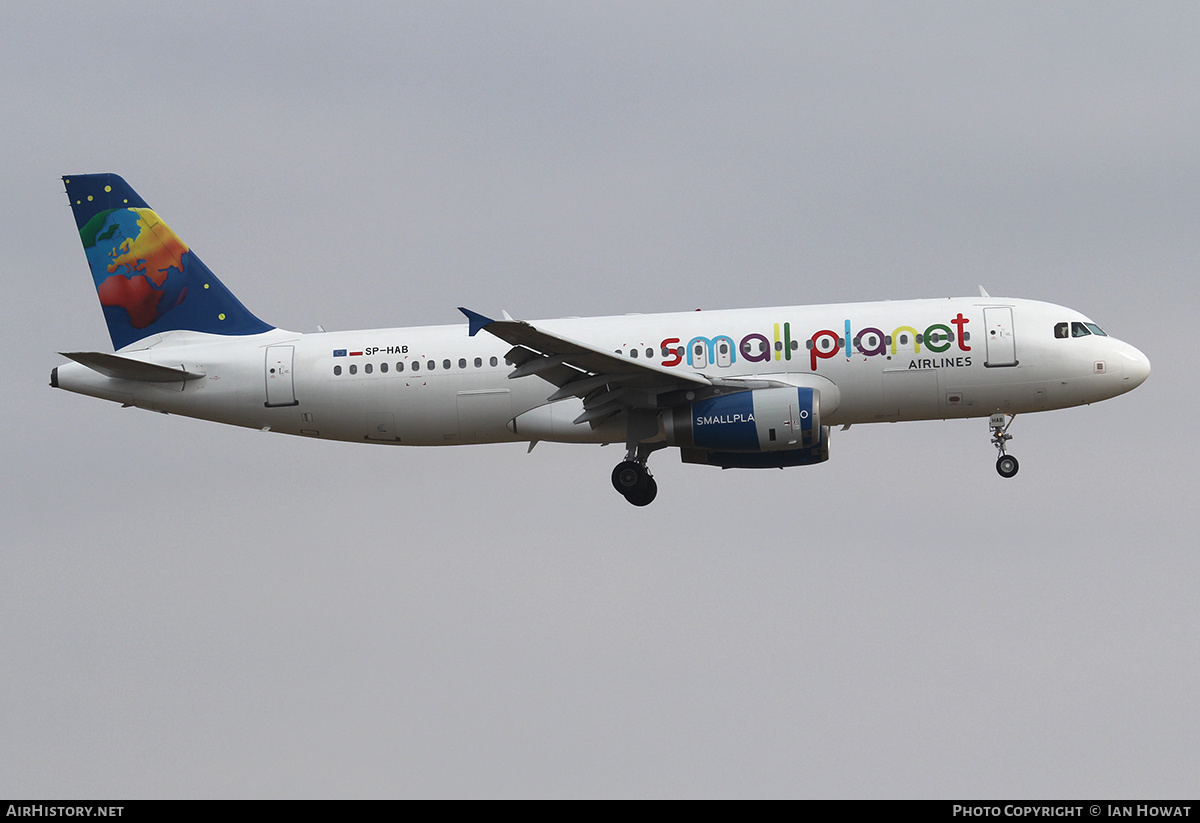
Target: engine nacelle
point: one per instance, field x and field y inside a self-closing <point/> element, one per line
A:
<point x="763" y="428"/>
<point x="761" y="460"/>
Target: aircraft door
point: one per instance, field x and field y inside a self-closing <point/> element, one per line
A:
<point x="483" y="414"/>
<point x="280" y="386"/>
<point x="1001" y="345"/>
<point x="910" y="394"/>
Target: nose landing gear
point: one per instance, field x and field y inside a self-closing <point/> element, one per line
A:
<point x="1006" y="464"/>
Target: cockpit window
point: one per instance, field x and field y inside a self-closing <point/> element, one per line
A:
<point x="1077" y="329"/>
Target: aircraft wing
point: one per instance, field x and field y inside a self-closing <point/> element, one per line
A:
<point x="604" y="380"/>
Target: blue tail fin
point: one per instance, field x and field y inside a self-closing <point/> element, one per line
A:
<point x="147" y="279"/>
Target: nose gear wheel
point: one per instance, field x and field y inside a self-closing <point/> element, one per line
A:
<point x="1006" y="464"/>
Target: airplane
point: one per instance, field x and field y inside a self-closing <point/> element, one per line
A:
<point x="740" y="388"/>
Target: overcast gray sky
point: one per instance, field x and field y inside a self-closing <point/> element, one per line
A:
<point x="193" y="610"/>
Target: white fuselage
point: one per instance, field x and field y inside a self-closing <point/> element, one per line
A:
<point x="436" y="385"/>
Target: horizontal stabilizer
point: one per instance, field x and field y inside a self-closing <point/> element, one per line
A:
<point x="125" y="368"/>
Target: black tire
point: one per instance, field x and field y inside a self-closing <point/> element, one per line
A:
<point x="628" y="477"/>
<point x="1007" y="465"/>
<point x="645" y="495"/>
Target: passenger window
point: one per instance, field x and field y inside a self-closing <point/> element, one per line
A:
<point x="633" y="353"/>
<point x="353" y="369"/>
<point x="1079" y="330"/>
<point x="493" y="362"/>
<point x="383" y="368"/>
<point x="431" y="365"/>
<point x="478" y="362"/>
<point x="367" y="368"/>
<point x="416" y="365"/>
<point x="462" y="362"/>
<point x="400" y="366"/>
<point x="337" y="370"/>
<point x="445" y="364"/>
<point x="649" y="353"/>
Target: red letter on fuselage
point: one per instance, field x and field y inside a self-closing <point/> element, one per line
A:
<point x="816" y="350"/>
<point x="676" y="357"/>
<point x="959" y="322"/>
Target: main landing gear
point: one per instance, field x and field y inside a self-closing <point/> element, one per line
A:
<point x="632" y="478"/>
<point x="1006" y="464"/>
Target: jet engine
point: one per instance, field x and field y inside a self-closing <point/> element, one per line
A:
<point x="761" y="428"/>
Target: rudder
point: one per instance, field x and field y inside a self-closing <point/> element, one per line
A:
<point x="147" y="279"/>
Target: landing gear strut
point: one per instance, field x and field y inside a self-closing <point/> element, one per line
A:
<point x="1006" y="464"/>
<point x="632" y="478"/>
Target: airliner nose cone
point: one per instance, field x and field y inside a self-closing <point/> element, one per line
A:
<point x="1137" y="367"/>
